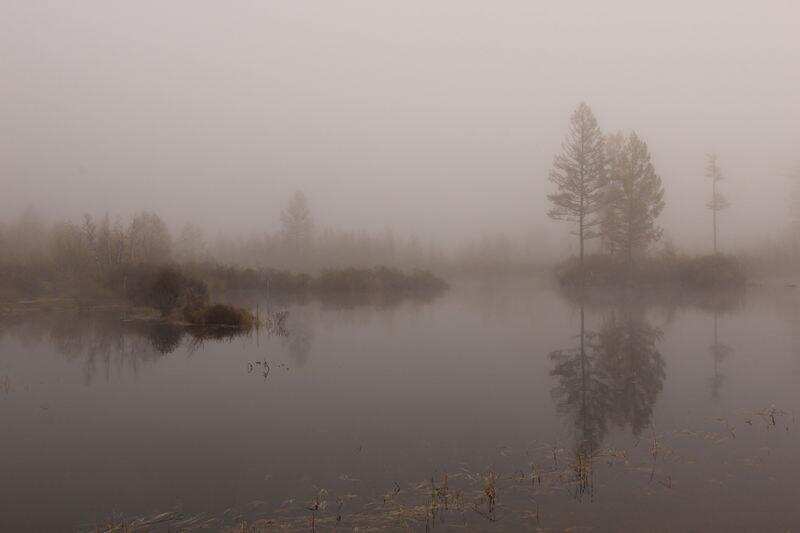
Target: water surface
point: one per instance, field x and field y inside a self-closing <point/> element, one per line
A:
<point x="498" y="405"/>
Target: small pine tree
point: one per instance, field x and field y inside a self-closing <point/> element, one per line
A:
<point x="718" y="201"/>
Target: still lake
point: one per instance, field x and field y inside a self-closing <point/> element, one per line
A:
<point x="497" y="406"/>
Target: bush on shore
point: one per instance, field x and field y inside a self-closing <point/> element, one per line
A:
<point x="234" y="278"/>
<point x="367" y="280"/>
<point x="379" y="279"/>
<point x="184" y="290"/>
<point x="715" y="270"/>
<point x="179" y="295"/>
<point x="223" y="315"/>
<point x="165" y="288"/>
<point x="697" y="272"/>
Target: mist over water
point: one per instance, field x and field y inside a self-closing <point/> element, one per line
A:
<point x="399" y="265"/>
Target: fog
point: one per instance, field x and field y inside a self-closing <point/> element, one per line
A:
<point x="435" y="119"/>
<point x="361" y="265"/>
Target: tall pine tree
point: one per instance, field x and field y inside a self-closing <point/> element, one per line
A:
<point x="579" y="173"/>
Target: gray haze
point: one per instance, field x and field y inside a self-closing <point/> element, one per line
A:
<point x="436" y="118"/>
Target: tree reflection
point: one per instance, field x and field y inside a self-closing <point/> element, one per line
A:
<point x="104" y="341"/>
<point x="107" y="343"/>
<point x="583" y="393"/>
<point x="627" y="347"/>
<point x="165" y="338"/>
<point x="299" y="340"/>
<point x="719" y="352"/>
<point x="613" y="375"/>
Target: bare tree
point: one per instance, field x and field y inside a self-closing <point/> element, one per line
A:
<point x="28" y="237"/>
<point x="68" y="249"/>
<point x="191" y="243"/>
<point x="717" y="202"/>
<point x="637" y="200"/>
<point x="89" y="232"/>
<point x="579" y="173"/>
<point x="149" y="240"/>
<point x="104" y="244"/>
<point x="793" y="199"/>
<point x="297" y="225"/>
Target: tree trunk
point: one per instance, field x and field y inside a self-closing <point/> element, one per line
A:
<point x="630" y="240"/>
<point x="583" y="369"/>
<point x="714" y="210"/>
<point x="630" y="261"/>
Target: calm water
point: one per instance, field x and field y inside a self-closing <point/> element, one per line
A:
<point x="674" y="415"/>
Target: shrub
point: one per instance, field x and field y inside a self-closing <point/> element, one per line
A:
<point x="378" y="279"/>
<point x="711" y="271"/>
<point x="166" y="291"/>
<point x="163" y="288"/>
<point x="24" y="280"/>
<point x="226" y="315"/>
<point x="697" y="272"/>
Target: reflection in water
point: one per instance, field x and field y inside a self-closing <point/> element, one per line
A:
<point x="106" y="342"/>
<point x="234" y="428"/>
<point x="613" y="376"/>
<point x="583" y="393"/>
<point x="719" y="352"/>
<point x="627" y="344"/>
<point x="299" y="340"/>
<point x="165" y="338"/>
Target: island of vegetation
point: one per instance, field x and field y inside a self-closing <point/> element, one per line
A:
<point x="608" y="189"/>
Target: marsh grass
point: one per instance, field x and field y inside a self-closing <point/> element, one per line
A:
<point x="532" y="497"/>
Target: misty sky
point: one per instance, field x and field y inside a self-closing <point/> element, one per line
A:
<point x="436" y="117"/>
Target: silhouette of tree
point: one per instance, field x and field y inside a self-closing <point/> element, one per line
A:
<point x="718" y="201"/>
<point x="635" y="198"/>
<point x="579" y="173"/>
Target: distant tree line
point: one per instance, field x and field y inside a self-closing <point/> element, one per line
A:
<point x="34" y="251"/>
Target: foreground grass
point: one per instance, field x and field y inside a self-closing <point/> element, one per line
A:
<point x="536" y="487"/>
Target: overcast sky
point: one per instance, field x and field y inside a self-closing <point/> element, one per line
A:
<point x="433" y="117"/>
